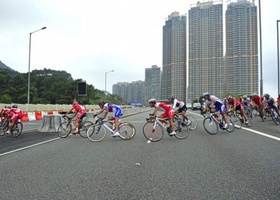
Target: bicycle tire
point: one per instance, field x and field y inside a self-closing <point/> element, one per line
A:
<point x="84" y="127"/>
<point x="231" y="125"/>
<point x="275" y="117"/>
<point x="96" y="133"/>
<point x="5" y="127"/>
<point x="127" y="131"/>
<point x="210" y="126"/>
<point x="249" y="124"/>
<point x="193" y="124"/>
<point x="64" y="129"/>
<point x="236" y="121"/>
<point x="182" y="131"/>
<point x="152" y="135"/>
<point x="17" y="129"/>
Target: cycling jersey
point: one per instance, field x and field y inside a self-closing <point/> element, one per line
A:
<point x="257" y="100"/>
<point x="270" y="102"/>
<point x="15" y="113"/>
<point x="218" y="104"/>
<point x="167" y="109"/>
<point x="80" y="109"/>
<point x="180" y="104"/>
<point x="113" y="108"/>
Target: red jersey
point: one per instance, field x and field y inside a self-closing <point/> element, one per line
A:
<point x="233" y="101"/>
<point x="79" y="108"/>
<point x="257" y="100"/>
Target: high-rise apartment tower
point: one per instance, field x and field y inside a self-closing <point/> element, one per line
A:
<point x="242" y="48"/>
<point x="153" y="83"/>
<point x="174" y="57"/>
<point x="206" y="63"/>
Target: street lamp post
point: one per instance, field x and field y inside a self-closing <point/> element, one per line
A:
<point x="106" y="82"/>
<point x="28" y="84"/>
<point x="260" y="24"/>
<point x="277" y="21"/>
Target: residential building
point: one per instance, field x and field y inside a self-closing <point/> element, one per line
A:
<point x="242" y="48"/>
<point x="153" y="83"/>
<point x="174" y="57"/>
<point x="206" y="62"/>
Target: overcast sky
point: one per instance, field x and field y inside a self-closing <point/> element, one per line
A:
<point x="90" y="37"/>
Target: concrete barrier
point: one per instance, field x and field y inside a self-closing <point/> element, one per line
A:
<point x="51" y="123"/>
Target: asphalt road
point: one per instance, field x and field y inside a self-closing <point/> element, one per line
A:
<point x="244" y="164"/>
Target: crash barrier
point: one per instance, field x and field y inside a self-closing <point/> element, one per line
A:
<point x="51" y="122"/>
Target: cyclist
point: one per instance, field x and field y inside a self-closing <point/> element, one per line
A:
<point x="14" y="114"/>
<point x="215" y="104"/>
<point x="236" y="105"/>
<point x="168" y="112"/>
<point x="269" y="103"/>
<point x="117" y="113"/>
<point x="182" y="108"/>
<point x="80" y="111"/>
<point x="3" y="114"/>
<point x="257" y="104"/>
<point x="246" y="102"/>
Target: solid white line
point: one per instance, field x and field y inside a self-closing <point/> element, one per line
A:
<point x="27" y="147"/>
<point x="251" y="130"/>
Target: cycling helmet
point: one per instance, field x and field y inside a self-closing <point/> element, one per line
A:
<point x="102" y="103"/>
<point x="245" y="97"/>
<point x="75" y="101"/>
<point x="14" y="106"/>
<point x="229" y="97"/>
<point x="255" y="94"/>
<point x="171" y="97"/>
<point x="152" y="101"/>
<point x="266" y="94"/>
<point x="206" y="94"/>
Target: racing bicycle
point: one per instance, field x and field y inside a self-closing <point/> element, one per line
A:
<point x="212" y="124"/>
<point x="154" y="129"/>
<point x="67" y="126"/>
<point x="16" y="130"/>
<point x="98" y="131"/>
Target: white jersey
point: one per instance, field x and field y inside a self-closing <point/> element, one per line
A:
<point x="177" y="103"/>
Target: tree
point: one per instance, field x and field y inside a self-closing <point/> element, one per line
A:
<point x="5" y="98"/>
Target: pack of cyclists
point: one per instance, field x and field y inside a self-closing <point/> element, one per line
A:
<point x="261" y="104"/>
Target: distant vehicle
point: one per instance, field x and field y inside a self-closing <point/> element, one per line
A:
<point x="189" y="105"/>
<point x="196" y="106"/>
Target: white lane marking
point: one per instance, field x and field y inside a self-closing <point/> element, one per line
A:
<point x="27" y="147"/>
<point x="251" y="130"/>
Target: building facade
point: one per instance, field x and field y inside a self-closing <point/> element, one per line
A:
<point x="206" y="62"/>
<point x="242" y="48"/>
<point x="174" y="57"/>
<point x="133" y="93"/>
<point x="153" y="83"/>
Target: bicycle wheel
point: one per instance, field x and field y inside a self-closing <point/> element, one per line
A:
<point x="96" y="133"/>
<point x="193" y="123"/>
<point x="236" y="121"/>
<point x="17" y="129"/>
<point x="127" y="131"/>
<point x="231" y="125"/>
<point x="64" y="129"/>
<point x="154" y="135"/>
<point x="210" y="126"/>
<point x="249" y="113"/>
<point x="84" y="127"/>
<point x="182" y="131"/>
<point x="275" y="117"/>
<point x="5" y="126"/>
